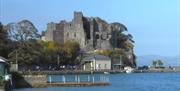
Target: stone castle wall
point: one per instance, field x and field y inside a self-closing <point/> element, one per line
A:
<point x="91" y="33"/>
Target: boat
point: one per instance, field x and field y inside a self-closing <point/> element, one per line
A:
<point x="128" y="69"/>
<point x="106" y="72"/>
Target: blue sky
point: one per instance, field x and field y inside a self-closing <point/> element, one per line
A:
<point x="155" y="24"/>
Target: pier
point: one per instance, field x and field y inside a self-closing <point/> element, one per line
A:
<point x="41" y="81"/>
<point x="70" y="84"/>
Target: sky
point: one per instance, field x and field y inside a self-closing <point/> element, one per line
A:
<point x="154" y="24"/>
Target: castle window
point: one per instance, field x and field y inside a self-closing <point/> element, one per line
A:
<point x="88" y="35"/>
<point x="74" y="34"/>
<point x="67" y="34"/>
<point x="104" y="35"/>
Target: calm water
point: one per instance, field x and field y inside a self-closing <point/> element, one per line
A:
<point x="127" y="82"/>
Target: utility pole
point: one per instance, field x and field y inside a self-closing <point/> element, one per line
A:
<point x="16" y="57"/>
<point x="16" y="65"/>
<point x="120" y="59"/>
<point x="58" y="61"/>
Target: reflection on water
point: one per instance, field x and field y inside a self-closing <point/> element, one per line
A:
<point x="124" y="82"/>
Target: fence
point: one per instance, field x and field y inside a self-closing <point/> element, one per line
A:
<point x="91" y="78"/>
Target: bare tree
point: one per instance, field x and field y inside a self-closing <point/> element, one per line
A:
<point x="22" y="31"/>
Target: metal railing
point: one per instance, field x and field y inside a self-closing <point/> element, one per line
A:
<point x="91" y="78"/>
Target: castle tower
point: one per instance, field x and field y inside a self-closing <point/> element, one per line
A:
<point x="78" y="18"/>
<point x="79" y="29"/>
<point x="49" y="32"/>
<point x="51" y="26"/>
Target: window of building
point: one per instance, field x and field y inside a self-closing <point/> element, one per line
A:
<point x="99" y="66"/>
<point x="105" y="65"/>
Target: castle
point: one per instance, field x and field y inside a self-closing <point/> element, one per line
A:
<point x="91" y="33"/>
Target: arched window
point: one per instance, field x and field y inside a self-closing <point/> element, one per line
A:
<point x="97" y="36"/>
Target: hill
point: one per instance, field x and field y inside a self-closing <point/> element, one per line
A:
<point x="167" y="60"/>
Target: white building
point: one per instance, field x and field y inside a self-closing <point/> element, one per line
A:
<point x="96" y="62"/>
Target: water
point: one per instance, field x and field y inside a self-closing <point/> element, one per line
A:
<point x="127" y="82"/>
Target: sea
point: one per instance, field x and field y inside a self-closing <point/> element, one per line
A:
<point x="124" y="82"/>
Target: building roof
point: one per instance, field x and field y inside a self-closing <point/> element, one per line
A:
<point x="3" y="59"/>
<point x="96" y="57"/>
